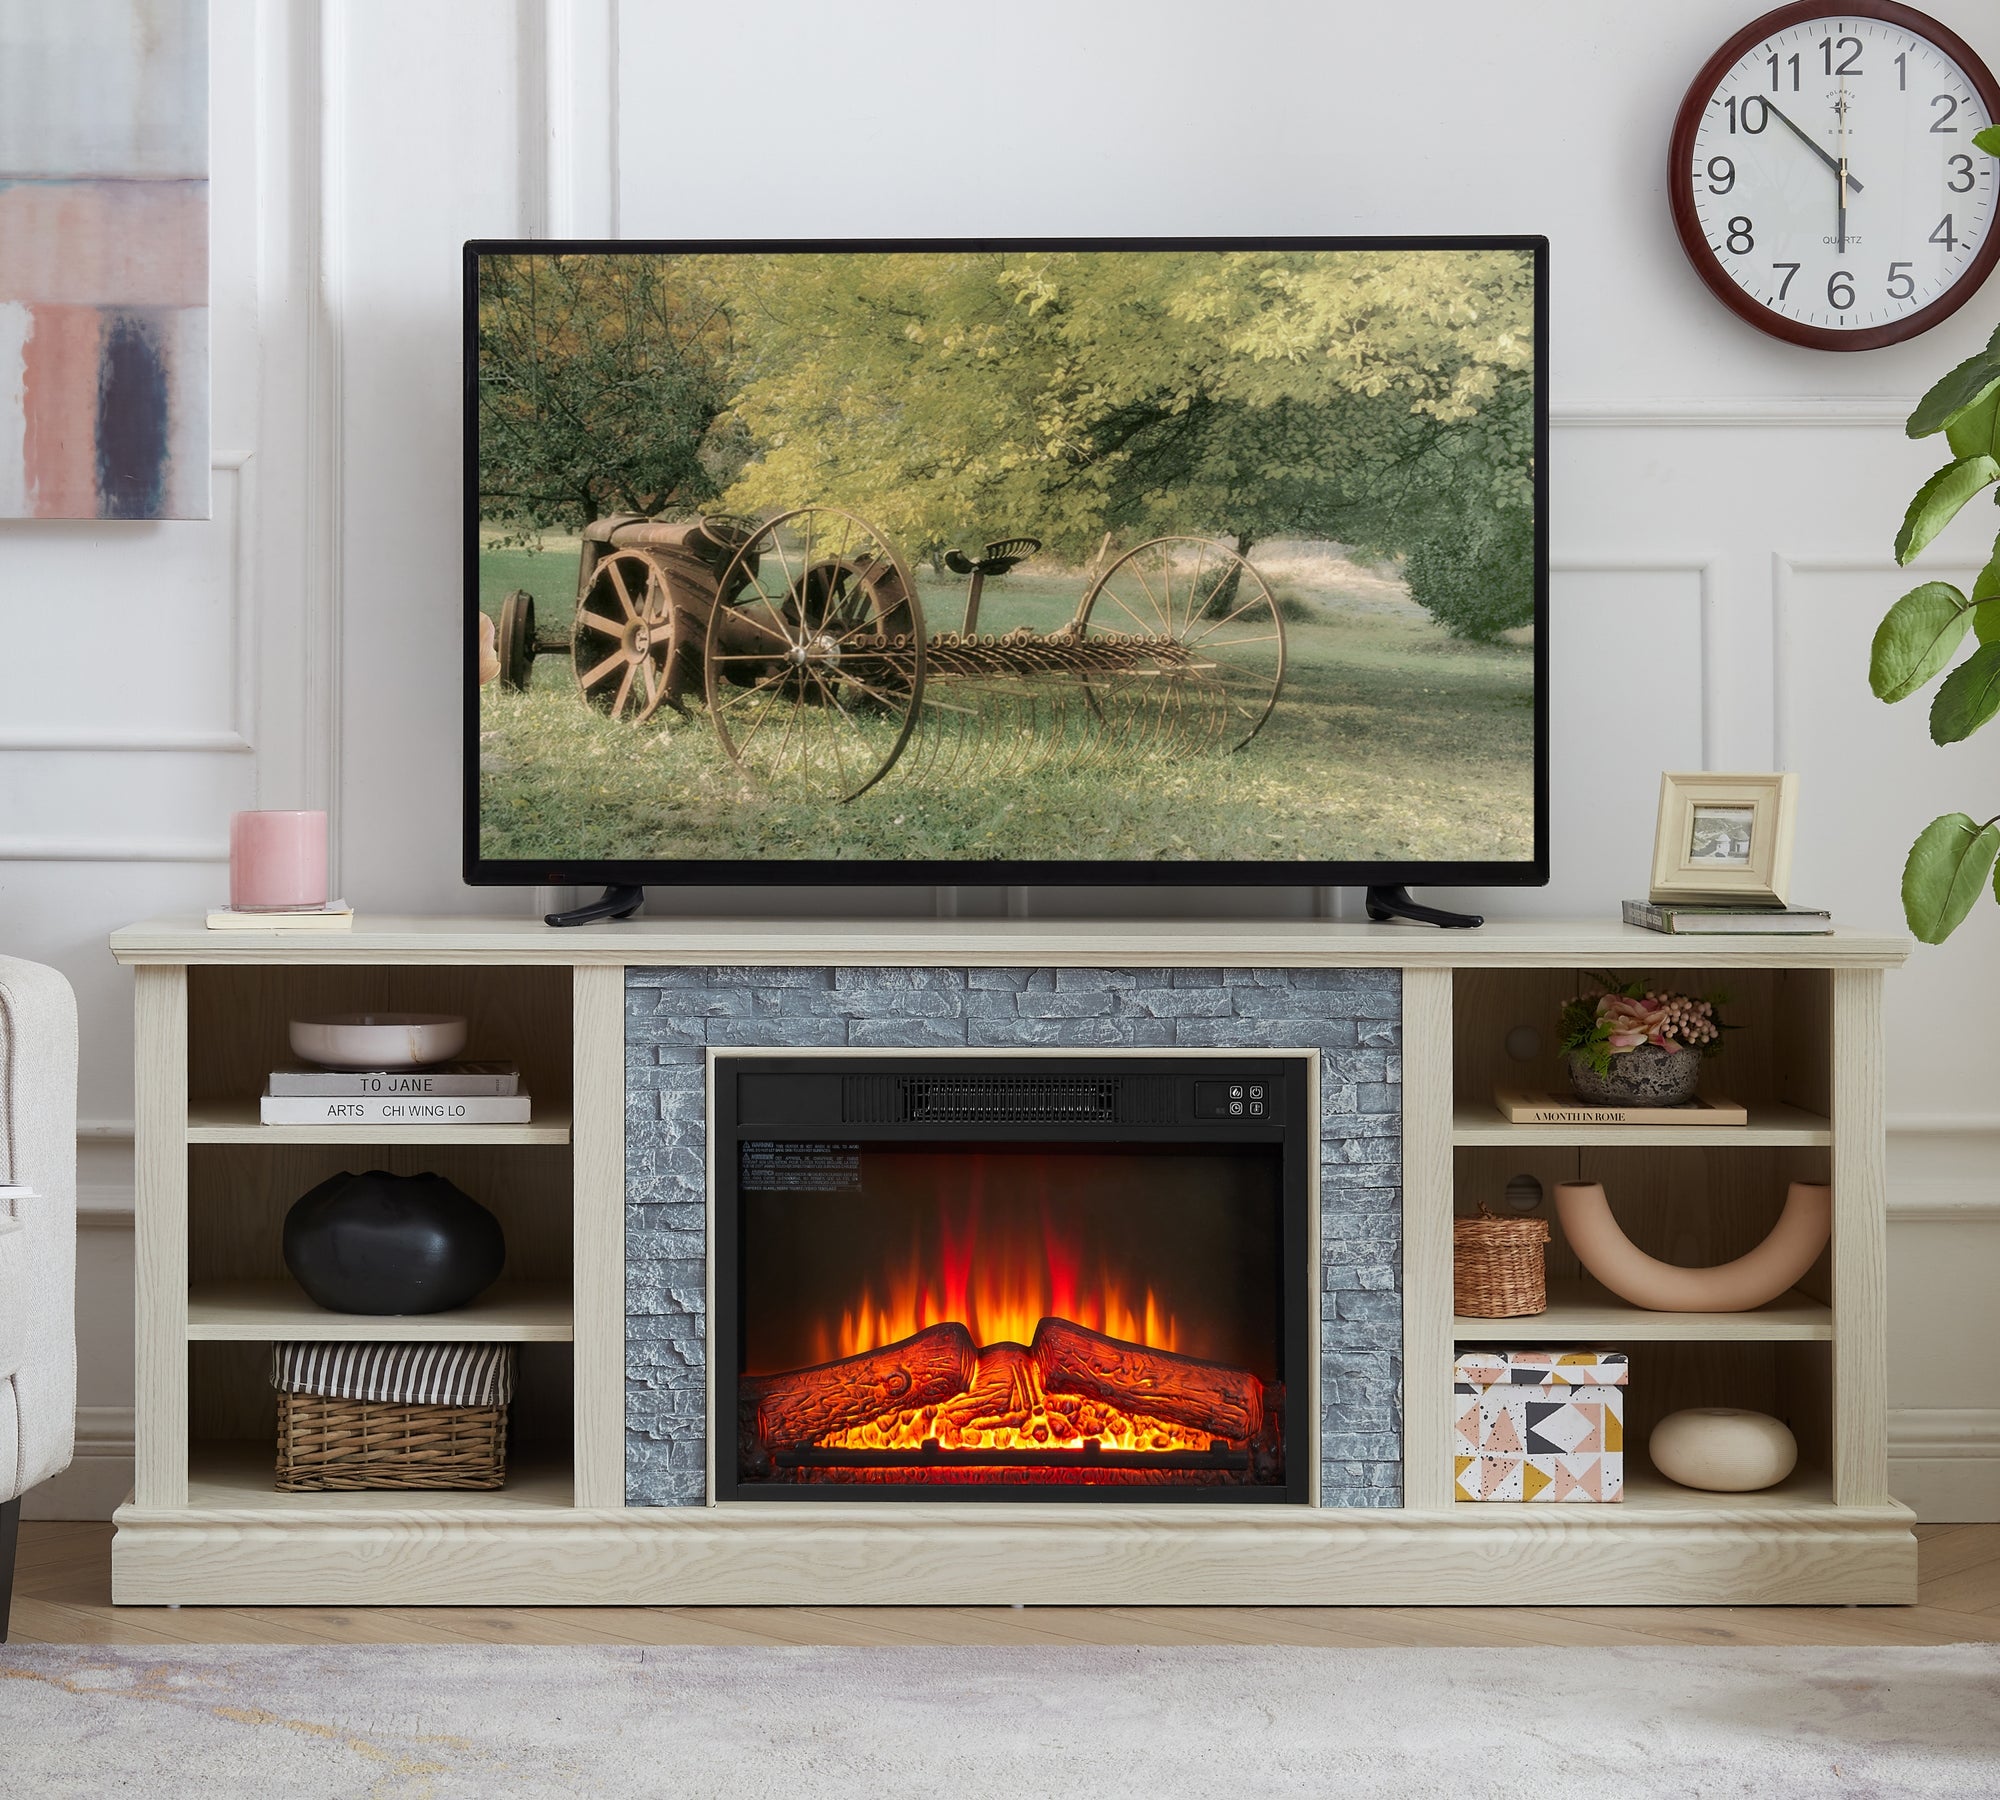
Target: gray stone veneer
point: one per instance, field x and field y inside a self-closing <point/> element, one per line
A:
<point x="1353" y="1017"/>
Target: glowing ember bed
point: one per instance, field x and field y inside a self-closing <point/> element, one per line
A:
<point x="1053" y="1276"/>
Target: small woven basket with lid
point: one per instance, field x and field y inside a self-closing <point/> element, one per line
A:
<point x="1498" y="1267"/>
<point x="358" y="1416"/>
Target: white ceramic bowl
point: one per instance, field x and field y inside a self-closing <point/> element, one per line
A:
<point x="378" y="1040"/>
<point x="1723" y="1449"/>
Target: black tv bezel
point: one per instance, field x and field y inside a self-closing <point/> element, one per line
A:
<point x="479" y="871"/>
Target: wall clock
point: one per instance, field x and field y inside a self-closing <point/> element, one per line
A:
<point x="1825" y="184"/>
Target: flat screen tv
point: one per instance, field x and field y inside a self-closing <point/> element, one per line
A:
<point x="1187" y="561"/>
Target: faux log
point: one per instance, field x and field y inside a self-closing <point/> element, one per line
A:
<point x="802" y="1405"/>
<point x="1183" y="1390"/>
<point x="1001" y="1395"/>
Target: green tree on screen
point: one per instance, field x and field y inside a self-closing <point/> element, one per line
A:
<point x="601" y="380"/>
<point x="1382" y="399"/>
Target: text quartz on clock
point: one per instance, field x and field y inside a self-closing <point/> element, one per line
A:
<point x="1899" y="116"/>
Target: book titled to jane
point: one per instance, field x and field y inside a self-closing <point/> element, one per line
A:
<point x="457" y="1079"/>
<point x="1518" y="1107"/>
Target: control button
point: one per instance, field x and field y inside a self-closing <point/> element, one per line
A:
<point x="1235" y="1102"/>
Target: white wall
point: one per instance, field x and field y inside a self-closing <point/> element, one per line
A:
<point x="1723" y="503"/>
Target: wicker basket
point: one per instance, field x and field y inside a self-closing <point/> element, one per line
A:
<point x="1497" y="1267"/>
<point x="356" y="1444"/>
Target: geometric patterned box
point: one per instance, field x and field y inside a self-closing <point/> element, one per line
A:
<point x="1539" y="1425"/>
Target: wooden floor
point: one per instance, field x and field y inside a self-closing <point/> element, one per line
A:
<point x="62" y="1595"/>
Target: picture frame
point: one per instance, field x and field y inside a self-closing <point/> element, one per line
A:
<point x="1725" y="837"/>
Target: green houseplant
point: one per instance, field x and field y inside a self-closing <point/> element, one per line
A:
<point x="1954" y="856"/>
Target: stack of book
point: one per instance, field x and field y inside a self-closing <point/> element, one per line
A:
<point x="1733" y="919"/>
<point x="461" y="1093"/>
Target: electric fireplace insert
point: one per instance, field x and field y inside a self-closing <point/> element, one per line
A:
<point x="1016" y="1277"/>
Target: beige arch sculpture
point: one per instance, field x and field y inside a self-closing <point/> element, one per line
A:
<point x="1763" y="1274"/>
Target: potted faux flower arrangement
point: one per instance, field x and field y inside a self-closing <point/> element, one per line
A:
<point x="1634" y="1045"/>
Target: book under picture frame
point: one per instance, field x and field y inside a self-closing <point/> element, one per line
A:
<point x="1725" y="837"/>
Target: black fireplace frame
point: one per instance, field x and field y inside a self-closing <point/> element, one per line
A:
<point x="1292" y="1077"/>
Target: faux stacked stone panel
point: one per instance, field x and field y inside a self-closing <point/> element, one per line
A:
<point x="1353" y="1017"/>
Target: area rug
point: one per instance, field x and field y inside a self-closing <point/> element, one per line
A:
<point x="419" y="1722"/>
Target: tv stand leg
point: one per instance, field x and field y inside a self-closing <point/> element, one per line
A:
<point x="613" y="903"/>
<point x="1395" y="903"/>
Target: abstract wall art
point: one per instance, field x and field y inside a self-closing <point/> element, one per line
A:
<point x="104" y="259"/>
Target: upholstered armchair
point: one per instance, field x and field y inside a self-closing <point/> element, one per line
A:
<point x="37" y="1240"/>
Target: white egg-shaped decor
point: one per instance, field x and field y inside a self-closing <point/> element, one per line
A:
<point x="1723" y="1449"/>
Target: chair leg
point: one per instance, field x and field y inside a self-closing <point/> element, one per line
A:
<point x="10" y="1532"/>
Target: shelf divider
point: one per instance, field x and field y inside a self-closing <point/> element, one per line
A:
<point x="1478" y="1123"/>
<point x="253" y="1311"/>
<point x="236" y="1122"/>
<point x="1581" y="1311"/>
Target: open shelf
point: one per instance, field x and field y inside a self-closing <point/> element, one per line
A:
<point x="1581" y="1311"/>
<point x="1805" y="1490"/>
<point x="253" y="1311"/>
<point x="1772" y="1125"/>
<point x="231" y="1476"/>
<point x="236" y="1122"/>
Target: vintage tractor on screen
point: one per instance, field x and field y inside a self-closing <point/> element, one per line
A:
<point x="805" y="638"/>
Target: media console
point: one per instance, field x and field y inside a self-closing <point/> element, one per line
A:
<point x="1338" y="1416"/>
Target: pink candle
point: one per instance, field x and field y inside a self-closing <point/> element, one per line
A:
<point x="277" y="861"/>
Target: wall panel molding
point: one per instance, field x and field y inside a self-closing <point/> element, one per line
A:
<point x="1667" y="562"/>
<point x="1812" y="413"/>
<point x="230" y="738"/>
<point x="326" y="434"/>
<point x="572" y="116"/>
<point x="1944" y="1462"/>
<point x="1786" y="567"/>
<point x="111" y="850"/>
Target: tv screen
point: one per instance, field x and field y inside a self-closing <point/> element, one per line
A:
<point x="960" y="561"/>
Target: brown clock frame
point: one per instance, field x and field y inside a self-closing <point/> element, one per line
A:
<point x="1680" y="176"/>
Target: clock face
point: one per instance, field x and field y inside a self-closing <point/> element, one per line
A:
<point x="1826" y="182"/>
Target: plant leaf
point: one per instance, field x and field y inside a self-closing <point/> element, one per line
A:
<point x="1988" y="140"/>
<point x="1975" y="431"/>
<point x="1970" y="696"/>
<point x="1987" y="584"/>
<point x="1947" y="866"/>
<point x="1917" y="637"/>
<point x="1965" y="386"/>
<point x="1939" y="499"/>
<point x="1986" y="621"/>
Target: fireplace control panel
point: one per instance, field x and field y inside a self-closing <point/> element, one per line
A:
<point x="1245" y="1100"/>
<point x="971" y="1094"/>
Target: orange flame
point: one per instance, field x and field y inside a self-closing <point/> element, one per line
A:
<point x="999" y="1286"/>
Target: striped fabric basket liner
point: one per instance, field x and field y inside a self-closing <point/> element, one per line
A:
<point x="363" y="1416"/>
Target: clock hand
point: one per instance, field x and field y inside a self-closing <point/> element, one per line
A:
<point x="1840" y="114"/>
<point x="1815" y="146"/>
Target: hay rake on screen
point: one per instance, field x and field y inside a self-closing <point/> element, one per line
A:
<point x="806" y="639"/>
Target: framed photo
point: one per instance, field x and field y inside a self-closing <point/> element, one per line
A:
<point x="1725" y="837"/>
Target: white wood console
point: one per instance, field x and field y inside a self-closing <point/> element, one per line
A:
<point x="205" y="1527"/>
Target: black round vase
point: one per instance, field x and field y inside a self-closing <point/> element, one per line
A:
<point x="382" y="1243"/>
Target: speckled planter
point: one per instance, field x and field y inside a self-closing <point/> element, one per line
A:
<point x="1647" y="1076"/>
